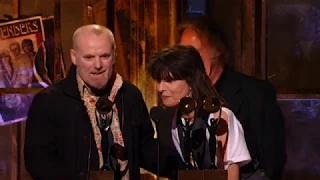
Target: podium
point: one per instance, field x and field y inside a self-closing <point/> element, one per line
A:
<point x="202" y="174"/>
<point x="101" y="175"/>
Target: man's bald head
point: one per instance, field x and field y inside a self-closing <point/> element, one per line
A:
<point x="93" y="53"/>
<point x="90" y="29"/>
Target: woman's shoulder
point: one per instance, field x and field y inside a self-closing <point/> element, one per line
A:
<point x="228" y="120"/>
<point x="227" y="111"/>
<point x="226" y="114"/>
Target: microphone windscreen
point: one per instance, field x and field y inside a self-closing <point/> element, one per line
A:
<point x="211" y="104"/>
<point x="104" y="105"/>
<point x="187" y="105"/>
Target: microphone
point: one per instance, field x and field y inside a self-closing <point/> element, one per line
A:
<point x="105" y="112"/>
<point x="187" y="106"/>
<point x="155" y="113"/>
<point x="104" y="115"/>
<point x="212" y="105"/>
<point x="104" y="105"/>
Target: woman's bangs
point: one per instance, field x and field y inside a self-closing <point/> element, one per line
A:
<point x="164" y="74"/>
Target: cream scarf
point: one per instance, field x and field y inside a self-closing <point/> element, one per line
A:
<point x="90" y="103"/>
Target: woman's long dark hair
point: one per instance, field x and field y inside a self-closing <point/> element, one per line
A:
<point x="180" y="62"/>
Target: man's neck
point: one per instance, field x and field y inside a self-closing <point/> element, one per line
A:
<point x="215" y="72"/>
<point x="31" y="54"/>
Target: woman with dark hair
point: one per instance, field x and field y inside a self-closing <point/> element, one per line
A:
<point x="180" y="73"/>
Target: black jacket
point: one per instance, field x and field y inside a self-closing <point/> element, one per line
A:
<point x="59" y="133"/>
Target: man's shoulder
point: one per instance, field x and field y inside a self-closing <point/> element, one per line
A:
<point x="131" y="94"/>
<point x="50" y="92"/>
<point x="249" y="81"/>
<point x="130" y="88"/>
<point x="245" y="78"/>
<point x="250" y="84"/>
<point x="262" y="88"/>
<point x="54" y="87"/>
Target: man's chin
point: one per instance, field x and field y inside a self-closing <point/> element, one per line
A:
<point x="97" y="87"/>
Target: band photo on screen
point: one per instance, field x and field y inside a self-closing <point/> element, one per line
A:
<point x="27" y="60"/>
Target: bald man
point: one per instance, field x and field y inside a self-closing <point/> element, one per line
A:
<point x="68" y="133"/>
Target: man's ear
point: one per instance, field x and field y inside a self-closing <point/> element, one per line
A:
<point x="73" y="56"/>
<point x="115" y="56"/>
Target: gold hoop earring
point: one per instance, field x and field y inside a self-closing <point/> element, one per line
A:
<point x="190" y="92"/>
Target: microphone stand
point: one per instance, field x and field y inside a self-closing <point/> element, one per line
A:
<point x="155" y="113"/>
<point x="187" y="106"/>
<point x="187" y="144"/>
<point x="158" y="149"/>
<point x="213" y="141"/>
<point x="105" y="147"/>
<point x="212" y="105"/>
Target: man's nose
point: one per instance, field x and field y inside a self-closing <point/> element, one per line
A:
<point x="98" y="63"/>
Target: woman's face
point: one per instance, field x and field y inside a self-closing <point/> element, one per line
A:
<point x="171" y="92"/>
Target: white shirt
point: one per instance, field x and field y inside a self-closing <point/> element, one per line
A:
<point x="236" y="151"/>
